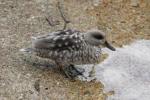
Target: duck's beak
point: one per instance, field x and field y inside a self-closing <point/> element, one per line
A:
<point x="109" y="46"/>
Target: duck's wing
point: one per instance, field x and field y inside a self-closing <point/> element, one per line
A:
<point x="61" y="40"/>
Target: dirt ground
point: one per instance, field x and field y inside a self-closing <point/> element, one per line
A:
<point x="21" y="19"/>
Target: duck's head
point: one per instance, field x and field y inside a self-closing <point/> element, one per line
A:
<point x="98" y="38"/>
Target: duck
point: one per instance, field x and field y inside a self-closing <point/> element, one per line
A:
<point x="68" y="48"/>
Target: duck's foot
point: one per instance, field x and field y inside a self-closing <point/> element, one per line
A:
<point x="92" y="72"/>
<point x="71" y="72"/>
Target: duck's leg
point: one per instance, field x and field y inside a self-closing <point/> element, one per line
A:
<point x="79" y="71"/>
<point x="74" y="72"/>
<point x="92" y="72"/>
<point x="70" y="71"/>
<point x="64" y="71"/>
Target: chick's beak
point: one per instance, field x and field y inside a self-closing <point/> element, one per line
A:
<point x="109" y="46"/>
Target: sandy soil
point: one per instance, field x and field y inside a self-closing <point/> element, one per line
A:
<point x="123" y="22"/>
<point x="21" y="19"/>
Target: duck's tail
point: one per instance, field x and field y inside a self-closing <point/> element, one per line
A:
<point x="27" y="50"/>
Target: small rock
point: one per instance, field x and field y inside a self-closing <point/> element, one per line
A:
<point x="37" y="85"/>
<point x="87" y="93"/>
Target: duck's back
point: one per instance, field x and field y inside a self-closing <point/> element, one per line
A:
<point x="66" y="47"/>
<point x="56" y="42"/>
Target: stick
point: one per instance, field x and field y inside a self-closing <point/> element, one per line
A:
<point x="63" y="17"/>
<point x="51" y="22"/>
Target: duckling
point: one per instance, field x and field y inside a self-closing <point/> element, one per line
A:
<point x="70" y="47"/>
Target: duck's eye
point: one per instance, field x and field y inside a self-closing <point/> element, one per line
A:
<point x="98" y="36"/>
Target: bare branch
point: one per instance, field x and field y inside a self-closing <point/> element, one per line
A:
<point x="52" y="22"/>
<point x="63" y="17"/>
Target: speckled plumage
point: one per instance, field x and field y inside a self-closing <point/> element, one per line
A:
<point x="68" y="47"/>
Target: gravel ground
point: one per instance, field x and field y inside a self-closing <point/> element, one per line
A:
<point x="21" y="19"/>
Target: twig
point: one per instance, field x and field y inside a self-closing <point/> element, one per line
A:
<point x="51" y="22"/>
<point x="63" y="17"/>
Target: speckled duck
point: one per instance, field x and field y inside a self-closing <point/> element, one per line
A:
<point x="69" y="47"/>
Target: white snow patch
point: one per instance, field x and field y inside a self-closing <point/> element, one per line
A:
<point x="127" y="72"/>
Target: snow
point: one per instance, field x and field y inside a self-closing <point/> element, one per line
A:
<point x="127" y="72"/>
